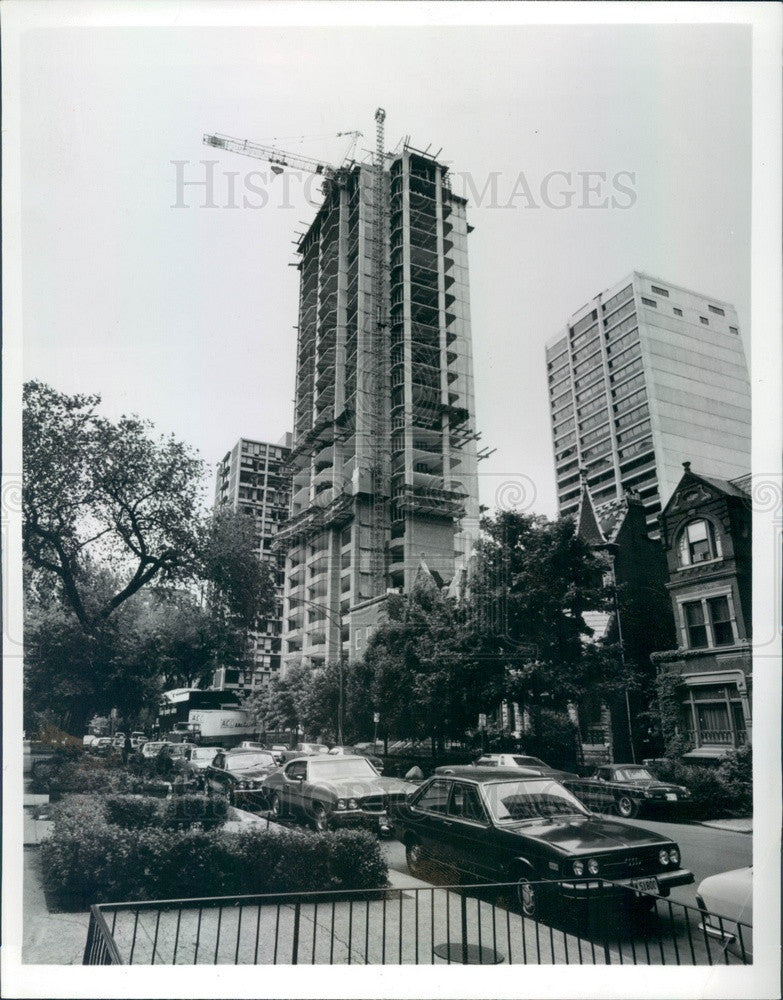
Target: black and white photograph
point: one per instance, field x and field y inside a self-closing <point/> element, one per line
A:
<point x="392" y="521"/>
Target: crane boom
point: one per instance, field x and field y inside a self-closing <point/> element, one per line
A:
<point x="270" y="154"/>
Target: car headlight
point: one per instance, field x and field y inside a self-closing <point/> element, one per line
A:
<point x="341" y="803"/>
<point x="592" y="866"/>
<point x="579" y="868"/>
<point x="674" y="856"/>
<point x="353" y="804"/>
<point x="663" y="857"/>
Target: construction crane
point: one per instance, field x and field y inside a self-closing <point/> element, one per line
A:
<point x="277" y="157"/>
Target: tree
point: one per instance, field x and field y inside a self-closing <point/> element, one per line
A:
<point x="535" y="580"/>
<point x="432" y="670"/>
<point x="102" y="493"/>
<point x="119" y="556"/>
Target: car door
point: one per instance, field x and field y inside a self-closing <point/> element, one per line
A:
<point x="427" y="816"/>
<point x="467" y="830"/>
<point x="216" y="775"/>
<point x="293" y="788"/>
<point x="604" y="790"/>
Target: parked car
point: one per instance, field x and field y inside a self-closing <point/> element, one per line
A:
<point x="240" y="775"/>
<point x="376" y="762"/>
<point x="726" y="904"/>
<point x="152" y="748"/>
<point x="335" y="790"/>
<point x="303" y="750"/>
<point x="88" y="740"/>
<point x="198" y="761"/>
<point x="278" y="751"/>
<point x="252" y="745"/>
<point x="102" y="746"/>
<point x="534" y="764"/>
<point x="118" y="741"/>
<point x="626" y="789"/>
<point x="138" y="739"/>
<point x="500" y="826"/>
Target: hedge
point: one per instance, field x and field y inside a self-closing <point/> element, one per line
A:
<point x="726" y="790"/>
<point x="88" y="860"/>
<point x="85" y="774"/>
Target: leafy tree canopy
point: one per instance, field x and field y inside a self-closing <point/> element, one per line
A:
<point x="104" y="493"/>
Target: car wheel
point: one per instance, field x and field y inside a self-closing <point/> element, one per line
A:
<point x="531" y="898"/>
<point x="276" y="806"/>
<point x="414" y="855"/>
<point x="320" y="818"/>
<point x="627" y="807"/>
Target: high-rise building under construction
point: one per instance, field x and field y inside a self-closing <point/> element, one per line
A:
<point x="384" y="448"/>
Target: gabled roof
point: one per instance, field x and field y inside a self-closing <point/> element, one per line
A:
<point x="739" y="487"/>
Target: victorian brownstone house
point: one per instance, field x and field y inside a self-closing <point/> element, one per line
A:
<point x="639" y="623"/>
<point x="706" y="535"/>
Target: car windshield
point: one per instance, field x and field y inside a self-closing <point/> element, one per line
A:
<point x="246" y="761"/>
<point x="179" y="750"/>
<point x="203" y="753"/>
<point x="342" y="767"/>
<point x="634" y="774"/>
<point x="529" y="761"/>
<point x="510" y="801"/>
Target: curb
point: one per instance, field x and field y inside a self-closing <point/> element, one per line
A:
<point x="717" y="824"/>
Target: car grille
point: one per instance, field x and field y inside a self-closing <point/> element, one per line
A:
<point x="373" y="803"/>
<point x="642" y="862"/>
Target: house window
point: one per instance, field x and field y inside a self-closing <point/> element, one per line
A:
<point x="659" y="291"/>
<point x="677" y="312"/>
<point x="704" y="321"/>
<point x="650" y="302"/>
<point x="708" y="622"/>
<point x="714" y="715"/>
<point x="715" y="309"/>
<point x="695" y="624"/>
<point x="720" y="619"/>
<point x="697" y="543"/>
<point x="733" y="329"/>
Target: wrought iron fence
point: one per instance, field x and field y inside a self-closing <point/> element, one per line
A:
<point x="477" y="924"/>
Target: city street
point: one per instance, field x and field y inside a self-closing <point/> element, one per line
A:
<point x="668" y="935"/>
<point x="705" y="851"/>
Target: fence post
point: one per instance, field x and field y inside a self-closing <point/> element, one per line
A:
<point x="464" y="917"/>
<point x="295" y="948"/>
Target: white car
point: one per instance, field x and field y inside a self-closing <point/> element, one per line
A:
<point x="154" y="748"/>
<point x="728" y="896"/>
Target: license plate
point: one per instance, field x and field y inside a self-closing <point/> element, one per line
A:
<point x="645" y="884"/>
<point x="671" y="796"/>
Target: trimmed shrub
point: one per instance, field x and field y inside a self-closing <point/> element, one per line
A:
<point x="88" y="860"/>
<point x="132" y="811"/>
<point x="185" y="810"/>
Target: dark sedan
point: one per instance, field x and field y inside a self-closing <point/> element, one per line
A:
<point x="627" y="789"/>
<point x="240" y="775"/>
<point x="333" y="790"/>
<point x="500" y="826"/>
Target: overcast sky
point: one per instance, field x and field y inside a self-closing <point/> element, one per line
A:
<point x="186" y="315"/>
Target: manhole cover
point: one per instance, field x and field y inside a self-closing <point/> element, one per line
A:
<point x="470" y="954"/>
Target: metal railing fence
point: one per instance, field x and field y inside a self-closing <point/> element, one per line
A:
<point x="475" y="924"/>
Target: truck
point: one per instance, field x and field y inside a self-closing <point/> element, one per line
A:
<point x="214" y="718"/>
